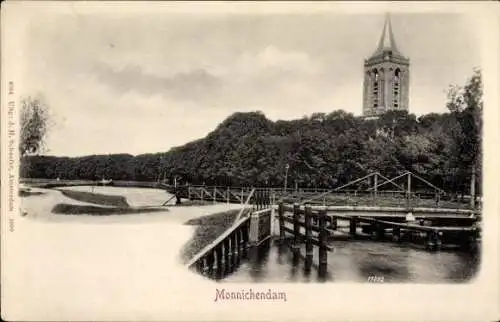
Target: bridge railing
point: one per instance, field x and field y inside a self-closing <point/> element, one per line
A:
<point x="224" y="254"/>
<point x="382" y="199"/>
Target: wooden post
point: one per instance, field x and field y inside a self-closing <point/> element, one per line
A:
<point x="254" y="230"/>
<point x="215" y="193"/>
<point x="396" y="234"/>
<point x="352" y="226"/>
<point x="223" y="254"/>
<point x="281" y="218"/>
<point x="202" y="193"/>
<point x="205" y="266"/>
<point x="235" y="244"/>
<point x="189" y="193"/>
<point x="375" y="189"/>
<point x="242" y="196"/>
<point x="333" y="223"/>
<point x="323" y="255"/>
<point x="431" y="243"/>
<point x="408" y="191"/>
<point x="309" y="245"/>
<point x="244" y="239"/>
<point x="296" y="232"/>
<point x="473" y="187"/>
<point x="227" y="243"/>
<point x="216" y="265"/>
<point x="378" y="231"/>
<point x="227" y="195"/>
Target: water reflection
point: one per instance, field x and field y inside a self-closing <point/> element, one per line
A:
<point x="357" y="261"/>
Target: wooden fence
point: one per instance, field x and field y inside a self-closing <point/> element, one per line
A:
<point x="222" y="256"/>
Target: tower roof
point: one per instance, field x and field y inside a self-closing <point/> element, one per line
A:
<point x="387" y="42"/>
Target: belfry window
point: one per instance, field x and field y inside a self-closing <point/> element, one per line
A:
<point x="375" y="79"/>
<point x="397" y="76"/>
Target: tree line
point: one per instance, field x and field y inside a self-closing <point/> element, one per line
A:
<point x="320" y="150"/>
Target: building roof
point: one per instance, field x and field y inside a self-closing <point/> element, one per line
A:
<point x="387" y="43"/>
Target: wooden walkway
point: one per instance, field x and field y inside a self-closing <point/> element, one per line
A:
<point x="315" y="197"/>
<point x="467" y="236"/>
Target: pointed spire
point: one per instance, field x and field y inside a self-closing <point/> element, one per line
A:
<point x="387" y="41"/>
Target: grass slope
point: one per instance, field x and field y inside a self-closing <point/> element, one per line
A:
<point x="68" y="209"/>
<point x="96" y="198"/>
<point x="208" y="229"/>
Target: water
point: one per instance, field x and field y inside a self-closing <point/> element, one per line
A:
<point x="351" y="261"/>
<point x="116" y="267"/>
<point x="359" y="261"/>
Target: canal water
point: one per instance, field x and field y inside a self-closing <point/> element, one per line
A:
<point x="359" y="261"/>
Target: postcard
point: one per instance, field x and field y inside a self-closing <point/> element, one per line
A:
<point x="255" y="161"/>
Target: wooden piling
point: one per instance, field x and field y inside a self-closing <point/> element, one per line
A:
<point x="227" y="255"/>
<point x="244" y="239"/>
<point x="309" y="245"/>
<point x="204" y="266"/>
<point x="223" y="254"/>
<point x="377" y="231"/>
<point x="352" y="226"/>
<point x="323" y="235"/>
<point x="333" y="223"/>
<point x="281" y="219"/>
<point x="296" y="232"/>
<point x="235" y="244"/>
<point x="210" y="263"/>
<point x="216" y="264"/>
<point x="396" y="234"/>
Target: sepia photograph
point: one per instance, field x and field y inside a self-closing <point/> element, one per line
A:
<point x="167" y="160"/>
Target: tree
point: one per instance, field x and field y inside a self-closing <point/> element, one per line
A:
<point x="34" y="124"/>
<point x="466" y="104"/>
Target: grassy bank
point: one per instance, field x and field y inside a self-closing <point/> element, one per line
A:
<point x="27" y="193"/>
<point x="96" y="198"/>
<point x="68" y="209"/>
<point x="189" y="203"/>
<point x="208" y="229"/>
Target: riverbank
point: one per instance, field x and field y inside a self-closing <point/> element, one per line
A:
<point x="92" y="267"/>
<point x="208" y="228"/>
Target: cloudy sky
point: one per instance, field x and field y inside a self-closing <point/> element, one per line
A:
<point x="139" y="82"/>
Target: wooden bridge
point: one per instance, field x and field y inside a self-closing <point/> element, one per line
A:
<point x="239" y="242"/>
<point x="311" y="217"/>
<point x="417" y="230"/>
<point x="365" y="191"/>
<point x="318" y="217"/>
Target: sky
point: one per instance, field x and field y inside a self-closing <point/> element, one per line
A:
<point x="144" y="82"/>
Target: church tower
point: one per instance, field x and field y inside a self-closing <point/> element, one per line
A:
<point x="386" y="77"/>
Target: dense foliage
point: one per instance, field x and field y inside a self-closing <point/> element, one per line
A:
<point x="322" y="150"/>
<point x="34" y="118"/>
